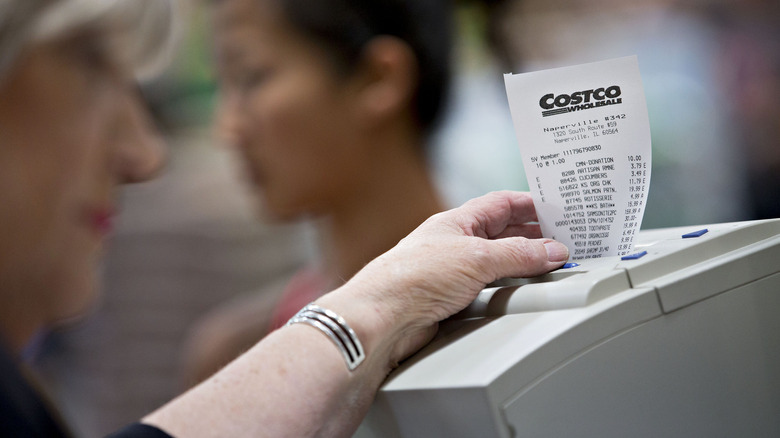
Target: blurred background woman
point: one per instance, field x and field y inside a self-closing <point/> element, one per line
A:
<point x="330" y="104"/>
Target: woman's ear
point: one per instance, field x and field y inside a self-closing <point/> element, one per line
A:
<point x="386" y="79"/>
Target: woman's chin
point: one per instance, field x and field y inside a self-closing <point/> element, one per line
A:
<point x="76" y="301"/>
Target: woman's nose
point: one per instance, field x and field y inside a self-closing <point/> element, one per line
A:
<point x="141" y="148"/>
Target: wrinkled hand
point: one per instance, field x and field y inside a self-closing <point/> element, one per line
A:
<point x="441" y="266"/>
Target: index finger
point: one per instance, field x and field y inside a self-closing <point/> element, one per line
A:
<point x="491" y="215"/>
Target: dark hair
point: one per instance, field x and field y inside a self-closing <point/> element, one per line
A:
<point x="343" y="27"/>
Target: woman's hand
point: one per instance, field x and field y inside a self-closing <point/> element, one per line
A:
<point x="295" y="382"/>
<point x="440" y="268"/>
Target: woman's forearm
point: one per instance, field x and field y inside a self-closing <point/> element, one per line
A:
<point x="296" y="383"/>
<point x="293" y="383"/>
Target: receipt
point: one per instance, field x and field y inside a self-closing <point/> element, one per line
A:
<point x="584" y="136"/>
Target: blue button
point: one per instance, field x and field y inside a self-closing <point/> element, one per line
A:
<point x="695" y="234"/>
<point x="570" y="265"/>
<point x="634" y="256"/>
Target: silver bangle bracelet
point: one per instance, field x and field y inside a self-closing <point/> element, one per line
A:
<point x="335" y="328"/>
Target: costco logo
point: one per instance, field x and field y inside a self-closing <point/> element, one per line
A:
<point x="580" y="100"/>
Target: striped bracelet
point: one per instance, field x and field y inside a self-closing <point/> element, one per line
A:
<point x="336" y="328"/>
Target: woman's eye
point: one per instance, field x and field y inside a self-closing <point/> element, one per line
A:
<point x="95" y="56"/>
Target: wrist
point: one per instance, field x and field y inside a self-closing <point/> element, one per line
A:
<point x="374" y="322"/>
<point x="336" y="328"/>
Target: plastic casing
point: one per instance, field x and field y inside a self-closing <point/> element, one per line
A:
<point x="681" y="342"/>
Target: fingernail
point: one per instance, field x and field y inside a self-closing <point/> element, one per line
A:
<point x="556" y="252"/>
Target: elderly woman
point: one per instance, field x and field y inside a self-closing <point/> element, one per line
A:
<point x="72" y="130"/>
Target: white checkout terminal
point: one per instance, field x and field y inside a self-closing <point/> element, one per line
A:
<point x="681" y="339"/>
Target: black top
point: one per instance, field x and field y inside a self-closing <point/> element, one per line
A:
<point x="25" y="413"/>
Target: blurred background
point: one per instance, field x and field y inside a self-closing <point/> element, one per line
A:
<point x="191" y="239"/>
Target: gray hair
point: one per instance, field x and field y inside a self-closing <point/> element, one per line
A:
<point x="142" y="32"/>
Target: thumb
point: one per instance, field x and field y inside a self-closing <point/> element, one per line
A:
<point x="528" y="257"/>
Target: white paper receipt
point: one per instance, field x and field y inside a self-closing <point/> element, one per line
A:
<point x="584" y="136"/>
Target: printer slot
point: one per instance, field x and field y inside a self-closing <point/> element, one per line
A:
<point x="550" y="276"/>
<point x="570" y="290"/>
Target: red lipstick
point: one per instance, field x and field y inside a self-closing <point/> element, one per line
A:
<point x="102" y="220"/>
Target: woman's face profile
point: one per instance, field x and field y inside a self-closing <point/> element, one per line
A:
<point x="285" y="109"/>
<point x="70" y="132"/>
